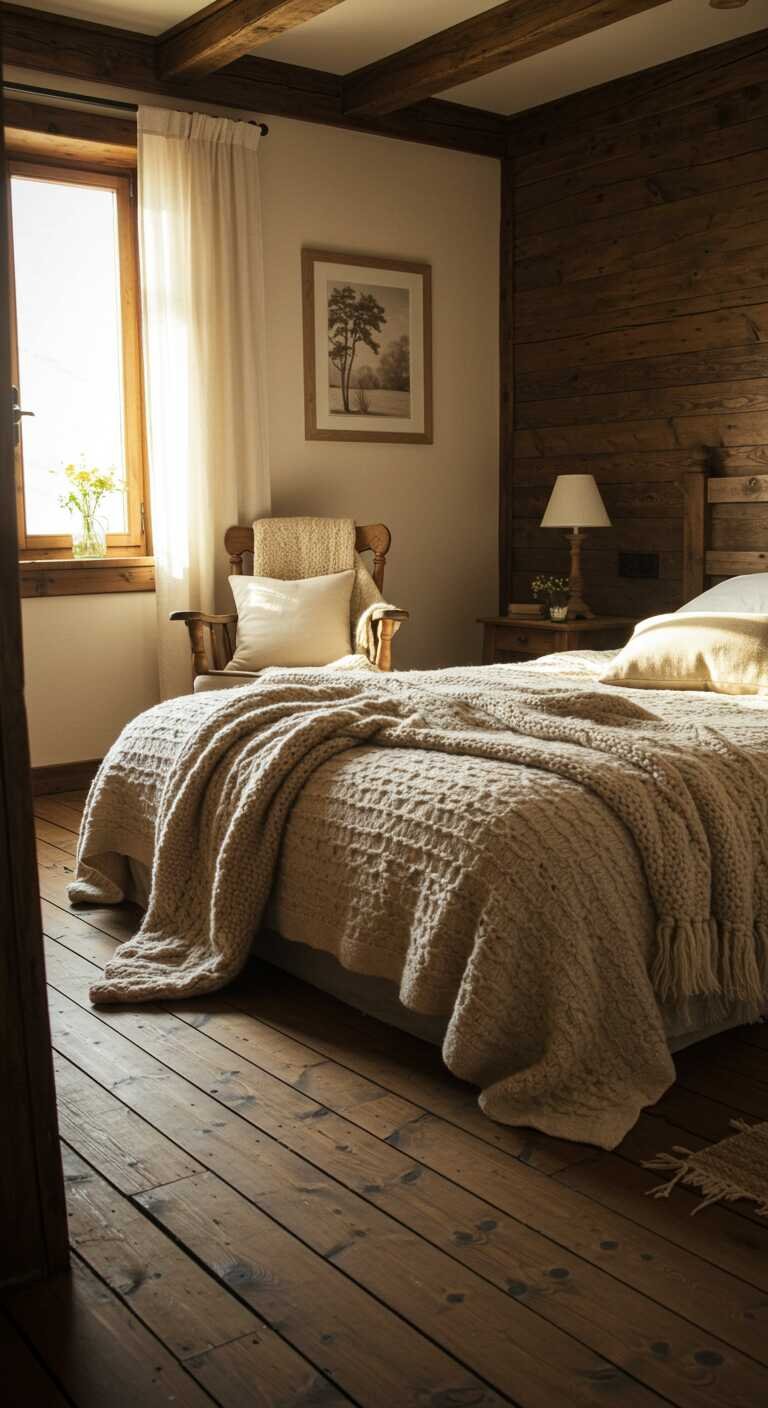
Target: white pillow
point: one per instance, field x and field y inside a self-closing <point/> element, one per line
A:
<point x="291" y="623"/>
<point x="746" y="594"/>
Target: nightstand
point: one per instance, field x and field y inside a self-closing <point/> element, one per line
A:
<point x="525" y="637"/>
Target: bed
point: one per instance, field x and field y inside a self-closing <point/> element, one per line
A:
<point x="452" y="851"/>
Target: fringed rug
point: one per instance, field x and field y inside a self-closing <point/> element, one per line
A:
<point x="735" y="1168"/>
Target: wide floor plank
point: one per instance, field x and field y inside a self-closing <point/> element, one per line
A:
<point x="696" y="1114"/>
<point x="254" y="1372"/>
<point x="53" y="809"/>
<point x="98" y="1349"/>
<point x="705" y="1076"/>
<point x="56" y="835"/>
<point x="729" y="1053"/>
<point x="75" y="799"/>
<point x="115" y="1140"/>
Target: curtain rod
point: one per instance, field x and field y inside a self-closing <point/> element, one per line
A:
<point x="88" y="98"/>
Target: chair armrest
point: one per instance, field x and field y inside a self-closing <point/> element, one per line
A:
<point x="229" y="619"/>
<point x="219" y="679"/>
<point x="207" y="630"/>
<point x="389" y="613"/>
<point x="386" y="620"/>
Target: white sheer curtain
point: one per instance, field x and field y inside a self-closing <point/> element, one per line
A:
<point x="205" y="358"/>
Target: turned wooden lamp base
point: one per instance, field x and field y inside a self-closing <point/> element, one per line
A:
<point x="577" y="607"/>
<point x="575" y="503"/>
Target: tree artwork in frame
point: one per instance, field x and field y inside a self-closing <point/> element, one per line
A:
<point x="367" y="348"/>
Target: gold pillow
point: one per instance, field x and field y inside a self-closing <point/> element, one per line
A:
<point x="706" y="650"/>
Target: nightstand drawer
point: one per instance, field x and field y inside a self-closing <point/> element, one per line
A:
<point x="528" y="640"/>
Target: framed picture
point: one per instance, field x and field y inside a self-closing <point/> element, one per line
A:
<point x="367" y="348"/>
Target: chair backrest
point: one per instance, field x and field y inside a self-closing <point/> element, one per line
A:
<point x="369" y="537"/>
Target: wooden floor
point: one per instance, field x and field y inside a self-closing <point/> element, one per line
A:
<point x="275" y="1201"/>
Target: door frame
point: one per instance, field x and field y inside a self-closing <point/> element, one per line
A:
<point x="33" y="1220"/>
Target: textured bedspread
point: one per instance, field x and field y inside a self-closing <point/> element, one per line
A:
<point x="546" y="859"/>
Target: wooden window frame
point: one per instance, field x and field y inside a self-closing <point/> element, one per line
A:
<point x="46" y="560"/>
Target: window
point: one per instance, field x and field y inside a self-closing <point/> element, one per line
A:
<point x="77" y="353"/>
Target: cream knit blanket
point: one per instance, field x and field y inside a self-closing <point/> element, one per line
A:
<point x="539" y="957"/>
<point x="293" y="548"/>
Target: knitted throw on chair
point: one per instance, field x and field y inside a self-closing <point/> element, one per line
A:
<point x="292" y="548"/>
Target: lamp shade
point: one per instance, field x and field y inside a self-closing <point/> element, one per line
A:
<point x="575" y="502"/>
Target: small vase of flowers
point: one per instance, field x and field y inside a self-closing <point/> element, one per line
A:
<point x="554" y="592"/>
<point x="87" y="488"/>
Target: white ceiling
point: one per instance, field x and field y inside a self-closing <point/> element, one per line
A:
<point x="350" y="35"/>
<point x="358" y="32"/>
<point x="146" y="16"/>
<point x="668" y="32"/>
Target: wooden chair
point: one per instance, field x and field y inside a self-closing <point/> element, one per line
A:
<point x="212" y="637"/>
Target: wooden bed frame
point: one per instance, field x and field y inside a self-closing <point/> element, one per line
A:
<point x="710" y="519"/>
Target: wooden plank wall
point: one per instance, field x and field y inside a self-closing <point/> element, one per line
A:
<point x="640" y="312"/>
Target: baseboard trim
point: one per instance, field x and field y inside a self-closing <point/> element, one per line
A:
<point x="63" y="777"/>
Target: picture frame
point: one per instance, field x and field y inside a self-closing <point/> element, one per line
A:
<point x="367" y="348"/>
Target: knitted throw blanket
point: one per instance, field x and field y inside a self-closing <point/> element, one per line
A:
<point x="292" y="548"/>
<point x="529" y="901"/>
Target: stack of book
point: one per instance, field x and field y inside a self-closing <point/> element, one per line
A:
<point x="525" y="608"/>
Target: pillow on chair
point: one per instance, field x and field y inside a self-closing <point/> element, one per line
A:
<point x="291" y="623"/>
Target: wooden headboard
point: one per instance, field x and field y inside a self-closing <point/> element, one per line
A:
<point x="721" y="538"/>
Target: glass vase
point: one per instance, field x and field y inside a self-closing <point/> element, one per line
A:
<point x="90" y="538"/>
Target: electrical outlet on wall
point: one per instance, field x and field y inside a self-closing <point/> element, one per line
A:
<point x="639" y="564"/>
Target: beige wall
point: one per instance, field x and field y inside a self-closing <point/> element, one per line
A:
<point x="90" y="666"/>
<point x="351" y="192"/>
<point x="90" y="660"/>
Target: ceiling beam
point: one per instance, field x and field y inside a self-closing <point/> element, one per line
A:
<point x="118" y="58"/>
<point x="490" y="41"/>
<point x="213" y="40"/>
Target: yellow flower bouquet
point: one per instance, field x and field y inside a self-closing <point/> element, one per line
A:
<point x="87" y="488"/>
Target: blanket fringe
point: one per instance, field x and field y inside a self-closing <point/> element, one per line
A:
<point x="701" y="958"/>
<point x="714" y="1188"/>
<point x="685" y="963"/>
<point x="744" y="1126"/>
<point x="741" y="949"/>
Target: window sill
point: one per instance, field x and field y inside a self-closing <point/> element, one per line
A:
<point x="69" y="576"/>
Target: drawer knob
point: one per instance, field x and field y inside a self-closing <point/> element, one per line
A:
<point x="522" y="640"/>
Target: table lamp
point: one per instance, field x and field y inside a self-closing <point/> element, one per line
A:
<point x="575" y="503"/>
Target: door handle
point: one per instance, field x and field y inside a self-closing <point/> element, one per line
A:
<point x="17" y="413"/>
